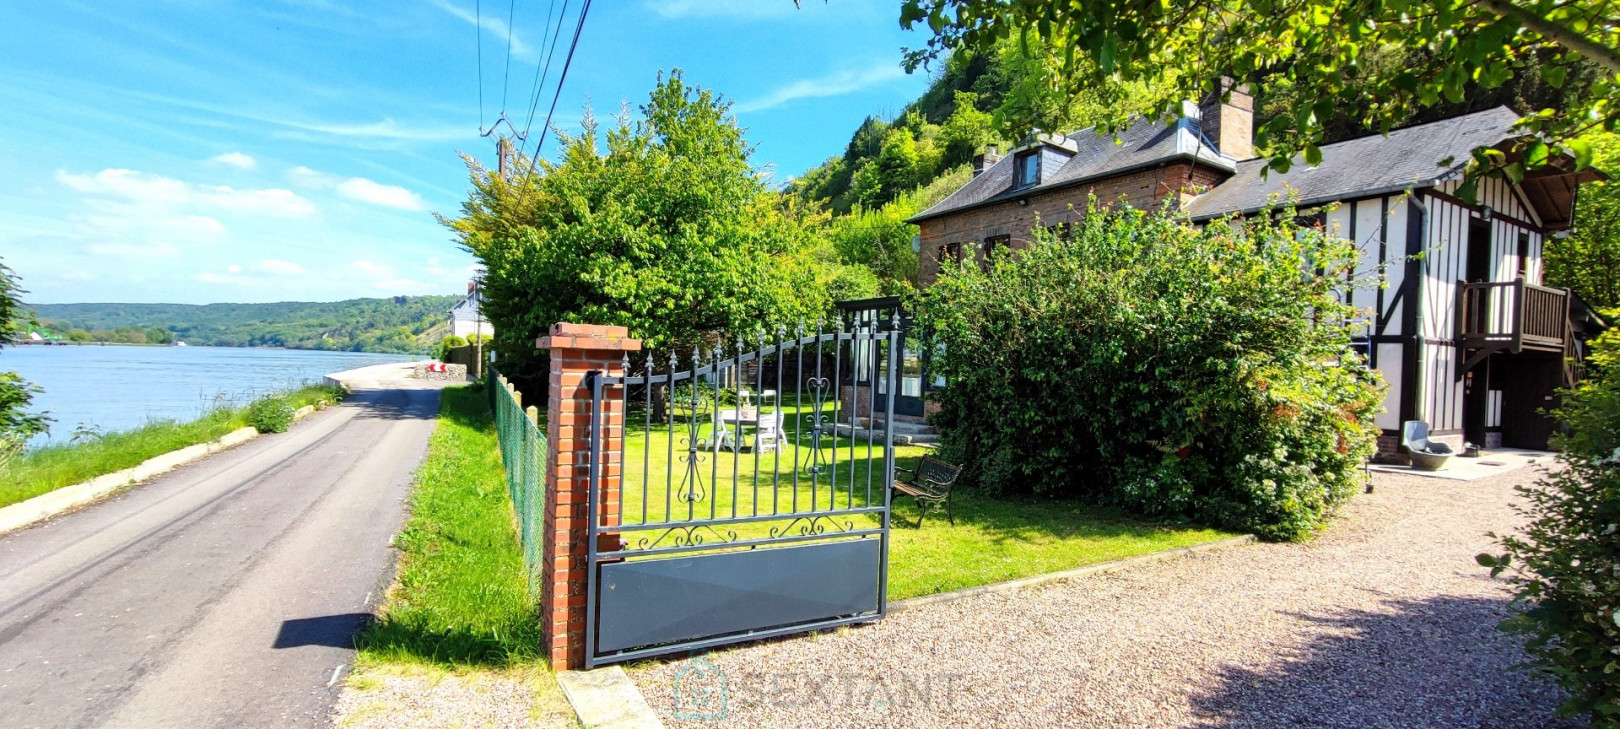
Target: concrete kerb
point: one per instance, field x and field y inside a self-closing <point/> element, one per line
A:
<point x="608" y="698"/>
<point x="68" y="498"/>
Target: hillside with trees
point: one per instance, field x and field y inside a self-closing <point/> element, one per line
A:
<point x="402" y="324"/>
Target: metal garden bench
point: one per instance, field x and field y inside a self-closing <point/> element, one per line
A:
<point x="930" y="484"/>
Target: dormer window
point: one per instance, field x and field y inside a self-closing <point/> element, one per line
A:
<point x="1029" y="168"/>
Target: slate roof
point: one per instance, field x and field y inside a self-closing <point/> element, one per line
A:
<point x="1371" y="165"/>
<point x="1142" y="143"/>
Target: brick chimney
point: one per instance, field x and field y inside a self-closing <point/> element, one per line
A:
<point x="1229" y="124"/>
<point x="984" y="160"/>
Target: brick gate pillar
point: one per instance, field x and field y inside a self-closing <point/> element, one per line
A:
<point x="575" y="350"/>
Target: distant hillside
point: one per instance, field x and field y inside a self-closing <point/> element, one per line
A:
<point x="404" y="324"/>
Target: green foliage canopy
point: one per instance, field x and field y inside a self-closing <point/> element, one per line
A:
<point x="1588" y="261"/>
<point x="668" y="231"/>
<point x="402" y="324"/>
<point x="1178" y="47"/>
<point x="1170" y="370"/>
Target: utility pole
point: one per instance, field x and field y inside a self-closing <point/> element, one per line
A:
<point x="505" y="160"/>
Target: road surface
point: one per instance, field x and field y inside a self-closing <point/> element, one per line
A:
<point x="223" y="594"/>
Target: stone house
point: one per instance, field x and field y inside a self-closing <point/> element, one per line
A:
<point x="1466" y="335"/>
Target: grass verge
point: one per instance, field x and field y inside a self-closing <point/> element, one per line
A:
<point x="460" y="607"/>
<point x="46" y="469"/>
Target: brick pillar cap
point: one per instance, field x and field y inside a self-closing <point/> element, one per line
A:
<point x="589" y="336"/>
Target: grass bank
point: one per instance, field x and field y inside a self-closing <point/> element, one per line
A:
<point x="459" y="614"/>
<point x="49" y="468"/>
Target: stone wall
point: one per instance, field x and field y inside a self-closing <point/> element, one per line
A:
<point x="452" y="373"/>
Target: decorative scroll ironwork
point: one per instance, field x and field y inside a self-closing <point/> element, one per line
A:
<point x="689" y="535"/>
<point x="813" y="525"/>
<point x="819" y="386"/>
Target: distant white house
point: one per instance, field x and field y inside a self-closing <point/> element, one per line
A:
<point x="465" y="320"/>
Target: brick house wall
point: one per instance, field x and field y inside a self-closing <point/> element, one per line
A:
<point x="1141" y="189"/>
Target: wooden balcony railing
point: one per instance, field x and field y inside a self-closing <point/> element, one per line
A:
<point x="1512" y="315"/>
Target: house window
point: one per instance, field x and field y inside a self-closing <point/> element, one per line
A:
<point x="950" y="253"/>
<point x="1524" y="256"/>
<point x="994" y="246"/>
<point x="1029" y="168"/>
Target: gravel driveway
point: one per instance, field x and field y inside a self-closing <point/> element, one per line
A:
<point x="1383" y="621"/>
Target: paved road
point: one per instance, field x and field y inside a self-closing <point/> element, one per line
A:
<point x="223" y="594"/>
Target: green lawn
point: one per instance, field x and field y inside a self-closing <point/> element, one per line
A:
<point x="460" y="603"/>
<point x="46" y="469"/>
<point x="993" y="540"/>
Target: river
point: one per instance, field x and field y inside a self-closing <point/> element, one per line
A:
<point x="120" y="387"/>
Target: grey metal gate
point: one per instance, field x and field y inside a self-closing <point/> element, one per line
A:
<point x="753" y="501"/>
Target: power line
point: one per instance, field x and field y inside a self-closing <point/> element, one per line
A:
<point x="542" y="65"/>
<point x="562" y="77"/>
<point x="511" y="10"/>
<point x="478" y="38"/>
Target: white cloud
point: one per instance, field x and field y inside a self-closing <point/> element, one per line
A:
<point x="280" y="267"/>
<point x="722" y="8"/>
<point x="358" y="188"/>
<point x="376" y="193"/>
<point x="313" y="178"/>
<point x="833" y="84"/>
<point x="386" y="129"/>
<point x="490" y="22"/>
<point x="127" y="184"/>
<point x="234" y="268"/>
<point x="374" y="268"/>
<point x="235" y="159"/>
<point x="156" y="190"/>
<point x="132" y="250"/>
<point x="272" y="201"/>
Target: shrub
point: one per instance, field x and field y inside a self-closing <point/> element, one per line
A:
<point x="447" y="344"/>
<point x="1565" y="565"/>
<point x="270" y="415"/>
<point x="1173" y="371"/>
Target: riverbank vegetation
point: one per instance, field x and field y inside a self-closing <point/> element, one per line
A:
<point x="90" y="454"/>
<point x="402" y="324"/>
<point x="17" y="424"/>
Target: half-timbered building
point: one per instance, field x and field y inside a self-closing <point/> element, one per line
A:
<point x="1462" y="328"/>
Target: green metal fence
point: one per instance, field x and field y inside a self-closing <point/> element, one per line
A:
<point x="523" y="453"/>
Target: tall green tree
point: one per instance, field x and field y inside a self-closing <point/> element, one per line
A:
<point x="661" y="226"/>
<point x="1180" y="46"/>
<point x="1588" y="261"/>
<point x="16" y="394"/>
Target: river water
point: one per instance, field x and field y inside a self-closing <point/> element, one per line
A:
<point x="119" y="387"/>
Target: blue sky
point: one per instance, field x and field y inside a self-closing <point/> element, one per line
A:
<point x="195" y="151"/>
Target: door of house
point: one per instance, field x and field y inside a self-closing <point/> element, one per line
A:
<point x="1476" y="388"/>
<point x="1529" y="384"/>
<point x="914" y="382"/>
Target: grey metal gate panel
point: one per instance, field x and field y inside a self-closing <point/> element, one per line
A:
<point x="699" y="555"/>
<point x="660" y="601"/>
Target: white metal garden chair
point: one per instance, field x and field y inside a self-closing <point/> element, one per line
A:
<point x="768" y="433"/>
